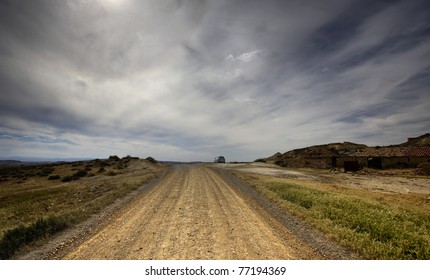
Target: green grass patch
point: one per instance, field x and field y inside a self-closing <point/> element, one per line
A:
<point x="373" y="228"/>
<point x="15" y="238"/>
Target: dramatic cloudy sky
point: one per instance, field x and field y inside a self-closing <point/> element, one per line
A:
<point x="192" y="79"/>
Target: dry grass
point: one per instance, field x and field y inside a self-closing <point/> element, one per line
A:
<point x="37" y="195"/>
<point x="376" y="225"/>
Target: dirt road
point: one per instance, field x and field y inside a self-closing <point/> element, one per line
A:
<point x="193" y="213"/>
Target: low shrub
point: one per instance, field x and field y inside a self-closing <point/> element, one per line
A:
<point x="45" y="171"/>
<point x="114" y="158"/>
<point x="80" y="173"/>
<point x="67" y="179"/>
<point x="151" y="160"/>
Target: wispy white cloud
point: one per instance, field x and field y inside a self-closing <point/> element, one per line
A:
<point x="245" y="57"/>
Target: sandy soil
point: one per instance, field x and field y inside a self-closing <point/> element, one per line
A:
<point x="385" y="181"/>
<point x="193" y="213"/>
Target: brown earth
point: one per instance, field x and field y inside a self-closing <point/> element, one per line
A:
<point x="194" y="213"/>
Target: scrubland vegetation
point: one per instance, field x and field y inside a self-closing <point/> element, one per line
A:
<point x="37" y="201"/>
<point x="376" y="225"/>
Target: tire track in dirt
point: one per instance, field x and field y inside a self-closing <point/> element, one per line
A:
<point x="193" y="213"/>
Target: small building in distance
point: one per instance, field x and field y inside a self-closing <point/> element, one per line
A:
<point x="392" y="157"/>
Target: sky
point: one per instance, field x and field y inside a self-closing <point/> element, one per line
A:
<point x="190" y="80"/>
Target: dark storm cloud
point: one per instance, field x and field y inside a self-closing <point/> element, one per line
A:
<point x="187" y="79"/>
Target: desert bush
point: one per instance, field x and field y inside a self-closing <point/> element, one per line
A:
<point x="20" y="176"/>
<point x="260" y="160"/>
<point x="114" y="158"/>
<point x="151" y="160"/>
<point x="45" y="171"/>
<point x="67" y="179"/>
<point x="80" y="173"/>
<point x="281" y="163"/>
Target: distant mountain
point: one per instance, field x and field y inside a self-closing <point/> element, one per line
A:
<point x="40" y="159"/>
<point x="10" y="162"/>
